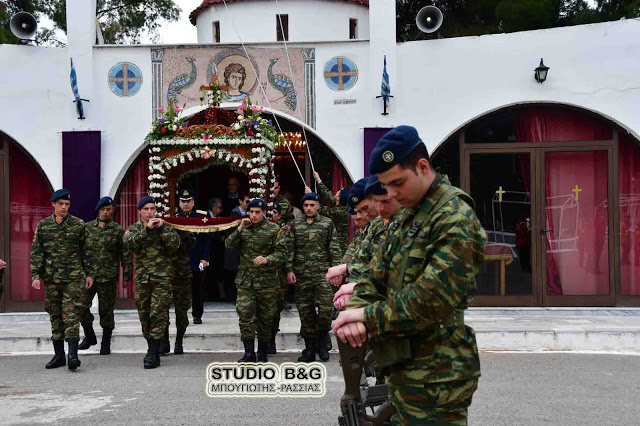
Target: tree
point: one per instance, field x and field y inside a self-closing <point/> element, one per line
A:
<point x="121" y="21"/>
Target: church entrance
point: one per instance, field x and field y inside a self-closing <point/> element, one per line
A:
<point x="544" y="179"/>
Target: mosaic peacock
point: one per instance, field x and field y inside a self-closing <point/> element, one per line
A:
<point x="283" y="84"/>
<point x="182" y="82"/>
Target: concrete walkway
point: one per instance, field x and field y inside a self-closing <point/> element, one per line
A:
<point x="613" y="330"/>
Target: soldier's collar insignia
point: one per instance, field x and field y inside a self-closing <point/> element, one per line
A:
<point x="59" y="219"/>
<point x="387" y="156"/>
<point x="309" y="220"/>
<point x="102" y="225"/>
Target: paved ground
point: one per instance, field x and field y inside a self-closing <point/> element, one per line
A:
<point x="516" y="389"/>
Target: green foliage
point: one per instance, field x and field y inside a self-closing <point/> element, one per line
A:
<point x="479" y="17"/>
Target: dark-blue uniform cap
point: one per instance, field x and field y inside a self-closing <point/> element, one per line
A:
<point x="357" y="193"/>
<point x="352" y="212"/>
<point x="61" y="194"/>
<point x="393" y="147"/>
<point x="104" y="201"/>
<point x="311" y="196"/>
<point x="186" y="195"/>
<point x="344" y="196"/>
<point x="278" y="207"/>
<point x="375" y="187"/>
<point x="145" y="200"/>
<point x="257" y="203"/>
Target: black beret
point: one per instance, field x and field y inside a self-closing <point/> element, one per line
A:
<point x="393" y="147"/>
<point x="257" y="203"/>
<point x="186" y="195"/>
<point x="145" y="200"/>
<point x="278" y="207"/>
<point x="344" y="196"/>
<point x="357" y="194"/>
<point x="311" y="196"/>
<point x="61" y="194"/>
<point x="104" y="201"/>
<point x="375" y="187"/>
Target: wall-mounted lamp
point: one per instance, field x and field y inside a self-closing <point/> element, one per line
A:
<point x="541" y="72"/>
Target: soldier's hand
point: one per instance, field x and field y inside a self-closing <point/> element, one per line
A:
<point x="3" y="264"/>
<point x="291" y="278"/>
<point x="286" y="228"/>
<point x="336" y="272"/>
<point x="244" y="224"/>
<point x="341" y="302"/>
<point x="88" y="282"/>
<point x="307" y="190"/>
<point x="260" y="260"/>
<point x="346" y="289"/>
<point x="159" y="222"/>
<point x="36" y="284"/>
<point x="316" y="176"/>
<point x="204" y="263"/>
<point x="355" y="333"/>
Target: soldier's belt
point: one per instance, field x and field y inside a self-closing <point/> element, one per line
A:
<point x="203" y="224"/>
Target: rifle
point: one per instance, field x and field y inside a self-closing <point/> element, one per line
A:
<point x="358" y="395"/>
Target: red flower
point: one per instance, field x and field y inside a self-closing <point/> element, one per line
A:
<point x="249" y="132"/>
<point x="163" y="130"/>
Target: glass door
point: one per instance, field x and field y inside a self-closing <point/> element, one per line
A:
<point x="575" y="242"/>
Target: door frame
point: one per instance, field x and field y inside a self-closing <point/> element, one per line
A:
<point x="538" y="254"/>
<point x="5" y="223"/>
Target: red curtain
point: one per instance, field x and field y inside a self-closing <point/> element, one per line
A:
<point x="576" y="246"/>
<point x="629" y="182"/>
<point x="134" y="186"/>
<point x="29" y="196"/>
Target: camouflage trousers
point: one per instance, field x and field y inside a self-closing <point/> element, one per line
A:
<point x="181" y="302"/>
<point x="256" y="308"/>
<point x="444" y="403"/>
<point x="152" y="301"/>
<point x="283" y="289"/>
<point x="106" y="302"/>
<point x="312" y="293"/>
<point x="62" y="301"/>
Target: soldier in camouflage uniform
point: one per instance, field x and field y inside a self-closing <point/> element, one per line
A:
<point x="335" y="207"/>
<point x="428" y="265"/>
<point x="286" y="208"/>
<point x="262" y="251"/>
<point x="282" y="279"/>
<point x="154" y="244"/>
<point x="57" y="263"/>
<point x="314" y="249"/>
<point x="104" y="253"/>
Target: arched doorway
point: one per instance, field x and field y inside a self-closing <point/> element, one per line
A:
<point x="24" y="201"/>
<point x="557" y="189"/>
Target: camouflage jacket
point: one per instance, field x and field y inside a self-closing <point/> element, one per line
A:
<point x="287" y="210"/>
<point x="57" y="250"/>
<point x="154" y="250"/>
<point x="338" y="214"/>
<point x="355" y="243"/>
<point x="428" y="262"/>
<point x="182" y="261"/>
<point x="314" y="247"/>
<point x="105" y="251"/>
<point x="267" y="240"/>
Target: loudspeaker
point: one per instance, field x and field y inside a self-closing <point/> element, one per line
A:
<point x="23" y="25"/>
<point x="429" y="19"/>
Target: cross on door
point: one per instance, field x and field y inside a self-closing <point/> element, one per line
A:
<point x="577" y="190"/>
<point x="500" y="192"/>
<point x="341" y="74"/>
<point x="125" y="79"/>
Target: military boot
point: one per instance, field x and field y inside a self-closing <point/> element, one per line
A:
<point x="263" y="345"/>
<point x="309" y="352"/>
<point x="89" y="337"/>
<point x="177" y="348"/>
<point x="105" y="345"/>
<point x="72" y="359"/>
<point x="271" y="349"/>
<point x="58" y="359"/>
<point x="249" y="351"/>
<point x="152" y="359"/>
<point x="165" y="346"/>
<point x="323" y="352"/>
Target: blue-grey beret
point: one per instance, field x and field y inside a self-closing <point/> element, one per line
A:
<point x="104" y="201"/>
<point x="311" y="196"/>
<point x="278" y="207"/>
<point x="61" y="194"/>
<point x="344" y="196"/>
<point x="145" y="200"/>
<point x="257" y="203"/>
<point x="393" y="147"/>
<point x="357" y="192"/>
<point x="375" y="187"/>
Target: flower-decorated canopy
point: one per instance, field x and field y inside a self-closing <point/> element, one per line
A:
<point x="243" y="141"/>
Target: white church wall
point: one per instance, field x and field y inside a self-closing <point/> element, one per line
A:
<point x="444" y="84"/>
<point x="125" y="120"/>
<point x="309" y="20"/>
<point x="36" y="103"/>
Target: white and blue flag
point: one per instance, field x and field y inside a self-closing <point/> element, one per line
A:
<point x="385" y="90"/>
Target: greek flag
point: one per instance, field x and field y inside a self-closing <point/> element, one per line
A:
<point x="73" y="77"/>
<point x="385" y="91"/>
